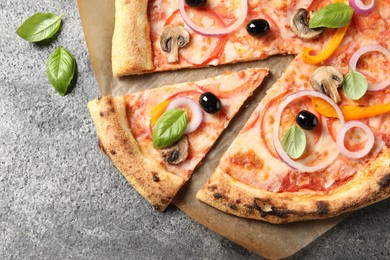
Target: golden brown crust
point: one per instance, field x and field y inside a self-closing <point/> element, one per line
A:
<point x="116" y="140"/>
<point x="371" y="184"/>
<point x="131" y="45"/>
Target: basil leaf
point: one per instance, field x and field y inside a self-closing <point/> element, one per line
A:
<point x="294" y="142"/>
<point x="169" y="128"/>
<point x="39" y="27"/>
<point x="61" y="68"/>
<point x="355" y="85"/>
<point x="334" y="15"/>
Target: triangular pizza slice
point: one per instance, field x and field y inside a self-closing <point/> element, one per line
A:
<point x="157" y="137"/>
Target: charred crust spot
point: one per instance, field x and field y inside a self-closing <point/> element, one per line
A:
<point x="101" y="147"/>
<point x="213" y="187"/>
<point x="232" y="206"/>
<point x="218" y="195"/>
<point x="112" y="110"/>
<point x="109" y="101"/>
<point x="322" y="208"/>
<point x="385" y="182"/>
<point x="156" y="178"/>
<point x="281" y="213"/>
<point x="238" y="201"/>
<point x="113" y="152"/>
<point x="106" y="113"/>
<point x="266" y="208"/>
<point x="165" y="200"/>
<point x="250" y="206"/>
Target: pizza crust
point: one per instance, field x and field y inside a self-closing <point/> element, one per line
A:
<point x="131" y="45"/>
<point x="154" y="183"/>
<point x="371" y="184"/>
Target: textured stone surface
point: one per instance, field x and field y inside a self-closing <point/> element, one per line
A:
<point x="60" y="198"/>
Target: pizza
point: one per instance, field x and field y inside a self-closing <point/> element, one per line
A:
<point x="157" y="137"/>
<point x="145" y="30"/>
<point x="316" y="146"/>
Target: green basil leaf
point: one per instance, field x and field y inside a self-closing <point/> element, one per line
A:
<point x="61" y="68"/>
<point x="334" y="15"/>
<point x="39" y="27"/>
<point x="169" y="128"/>
<point x="355" y="85"/>
<point x="294" y="142"/>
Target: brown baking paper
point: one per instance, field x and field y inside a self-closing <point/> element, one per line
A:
<point x="266" y="240"/>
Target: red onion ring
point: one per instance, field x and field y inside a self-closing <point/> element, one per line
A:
<point x="341" y="136"/>
<point x="214" y="32"/>
<point x="197" y="114"/>
<point x="369" y="48"/>
<point x="361" y="8"/>
<point x="278" y="146"/>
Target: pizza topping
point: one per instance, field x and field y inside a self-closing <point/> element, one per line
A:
<point x="335" y="15"/>
<point x="215" y="31"/>
<point x="169" y="128"/>
<point x="370" y="48"/>
<point x="176" y="153"/>
<point x="355" y="85"/>
<point x="210" y="103"/>
<point x="157" y="111"/>
<point x="275" y="135"/>
<point x="258" y="27"/>
<point x="294" y="142"/>
<point x="329" y="49"/>
<point x="307" y="120"/>
<point x="327" y="80"/>
<point x="361" y="8"/>
<point x="299" y="24"/>
<point x="367" y="147"/>
<point x="196" y="3"/>
<point x="350" y="112"/>
<point x="172" y="38"/>
<point x="195" y="112"/>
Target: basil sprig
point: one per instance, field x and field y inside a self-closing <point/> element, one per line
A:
<point x="294" y="142"/>
<point x="355" y="85"/>
<point x="61" y="68"/>
<point x="39" y="27"/>
<point x="334" y="15"/>
<point x="169" y="128"/>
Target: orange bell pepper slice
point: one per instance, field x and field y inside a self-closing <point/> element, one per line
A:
<point x="350" y="112"/>
<point x="329" y="49"/>
<point x="157" y="111"/>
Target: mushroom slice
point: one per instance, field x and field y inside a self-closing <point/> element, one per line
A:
<point x="172" y="38"/>
<point x="299" y="24"/>
<point x="176" y="153"/>
<point x="327" y="80"/>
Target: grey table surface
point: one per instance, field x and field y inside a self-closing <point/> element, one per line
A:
<point x="61" y="198"/>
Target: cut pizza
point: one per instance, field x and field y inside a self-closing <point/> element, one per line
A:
<point x="157" y="137"/>
<point x="318" y="144"/>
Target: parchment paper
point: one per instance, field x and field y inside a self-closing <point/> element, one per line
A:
<point x="266" y="240"/>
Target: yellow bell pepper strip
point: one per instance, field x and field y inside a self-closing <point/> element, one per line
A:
<point x="350" y="112"/>
<point x="157" y="111"/>
<point x="329" y="49"/>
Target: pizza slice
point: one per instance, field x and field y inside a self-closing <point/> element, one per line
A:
<point x="157" y="137"/>
<point x="158" y="35"/>
<point x="318" y="144"/>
